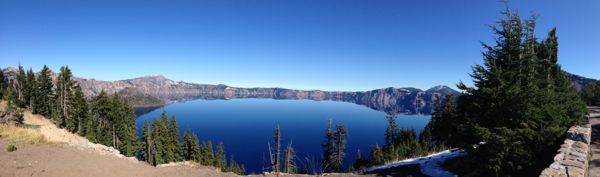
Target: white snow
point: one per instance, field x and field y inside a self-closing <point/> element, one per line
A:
<point x="431" y="165"/>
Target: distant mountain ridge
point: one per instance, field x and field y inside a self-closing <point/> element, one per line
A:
<point x="401" y="100"/>
<point x="155" y="91"/>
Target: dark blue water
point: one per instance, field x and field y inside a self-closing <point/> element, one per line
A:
<point x="246" y="125"/>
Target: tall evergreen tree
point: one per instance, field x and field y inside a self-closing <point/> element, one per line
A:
<point x="220" y="159"/>
<point x="158" y="142"/>
<point x="30" y="89"/>
<point x="289" y="161"/>
<point x="190" y="147"/>
<point x="376" y="155"/>
<point x="44" y="94"/>
<point x="328" y="148"/>
<point x="333" y="148"/>
<point x="235" y="167"/>
<point x="207" y="155"/>
<point x="340" y="141"/>
<point x="79" y="111"/>
<point x="64" y="88"/>
<point x="521" y="103"/>
<point x="275" y="158"/>
<point x="145" y="143"/>
<point x="174" y="144"/>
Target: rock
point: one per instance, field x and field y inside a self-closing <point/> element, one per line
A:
<point x="550" y="172"/>
<point x="572" y="157"/>
<point x="581" y="134"/>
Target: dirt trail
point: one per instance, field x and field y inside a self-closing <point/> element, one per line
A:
<point x="594" y="168"/>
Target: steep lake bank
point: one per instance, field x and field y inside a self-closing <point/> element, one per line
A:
<point x="246" y="126"/>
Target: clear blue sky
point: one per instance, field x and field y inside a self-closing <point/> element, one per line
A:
<point x="302" y="44"/>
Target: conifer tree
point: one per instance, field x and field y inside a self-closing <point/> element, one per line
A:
<point x="30" y="89"/>
<point x="190" y="147"/>
<point x="328" y="148"/>
<point x="43" y="103"/>
<point x="207" y="155"/>
<point x="220" y="159"/>
<point x="166" y="151"/>
<point x="289" y="161"/>
<point x="521" y="103"/>
<point x="158" y="143"/>
<point x="235" y="167"/>
<point x="64" y="87"/>
<point x="174" y="143"/>
<point x="333" y="148"/>
<point x="275" y="159"/>
<point x="376" y="155"/>
<point x="392" y="129"/>
<point x="340" y="141"/>
<point x="79" y="111"/>
<point x="145" y="143"/>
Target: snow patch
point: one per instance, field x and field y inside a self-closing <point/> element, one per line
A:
<point x="430" y="165"/>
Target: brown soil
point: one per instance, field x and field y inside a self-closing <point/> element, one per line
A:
<point x="60" y="160"/>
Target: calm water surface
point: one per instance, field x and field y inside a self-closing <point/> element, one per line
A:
<point x="246" y="125"/>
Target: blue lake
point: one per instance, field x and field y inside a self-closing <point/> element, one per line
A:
<point x="245" y="126"/>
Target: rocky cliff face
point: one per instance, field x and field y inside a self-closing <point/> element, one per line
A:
<point x="402" y="100"/>
<point x="141" y="90"/>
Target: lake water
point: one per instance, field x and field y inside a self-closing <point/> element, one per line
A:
<point x="246" y="125"/>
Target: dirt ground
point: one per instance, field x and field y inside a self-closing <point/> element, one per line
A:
<point x="49" y="160"/>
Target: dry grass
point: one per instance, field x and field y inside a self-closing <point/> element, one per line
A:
<point x="21" y="135"/>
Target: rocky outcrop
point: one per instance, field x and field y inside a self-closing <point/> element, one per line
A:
<point x="401" y="100"/>
<point x="573" y="155"/>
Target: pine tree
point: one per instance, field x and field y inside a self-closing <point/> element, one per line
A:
<point x="43" y="103"/>
<point x="376" y="156"/>
<point x="128" y="131"/>
<point x="335" y="143"/>
<point x="64" y="87"/>
<point x="392" y="129"/>
<point x="79" y="111"/>
<point x="30" y="89"/>
<point x="328" y="148"/>
<point x="90" y="128"/>
<point x="275" y="159"/>
<point x="174" y="143"/>
<point x="190" y="147"/>
<point x="235" y="167"/>
<point x="145" y="143"/>
<point x="158" y="143"/>
<point x="220" y="161"/>
<point x="289" y="165"/>
<point x="521" y="103"/>
<point x="340" y="141"/>
<point x="207" y="155"/>
<point x="166" y="151"/>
